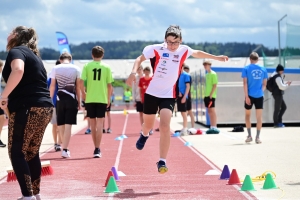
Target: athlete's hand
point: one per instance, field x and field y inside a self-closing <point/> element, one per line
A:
<point x="183" y="100"/>
<point x="180" y="95"/>
<point x="130" y="80"/>
<point x="222" y="58"/>
<point x="108" y="103"/>
<point x="248" y="101"/>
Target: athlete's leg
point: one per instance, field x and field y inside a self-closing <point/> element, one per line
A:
<point x="148" y="123"/>
<point x="55" y="134"/>
<point x="141" y="118"/>
<point x="99" y="131"/>
<point x="61" y="131"/>
<point x="191" y="114"/>
<point x="212" y="117"/>
<point x="109" y="119"/>
<point x="67" y="135"/>
<point x="93" y="130"/>
<point x="258" y="118"/>
<point x="164" y="128"/>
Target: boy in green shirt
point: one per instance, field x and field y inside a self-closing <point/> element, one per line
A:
<point x="97" y="96"/>
<point x="127" y="95"/>
<point x="210" y="96"/>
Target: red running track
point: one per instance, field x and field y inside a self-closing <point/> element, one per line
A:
<point x="83" y="177"/>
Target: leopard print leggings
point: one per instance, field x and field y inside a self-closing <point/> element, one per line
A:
<point x="26" y="129"/>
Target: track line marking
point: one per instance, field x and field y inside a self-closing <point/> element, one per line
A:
<point x="212" y="172"/>
<point x="229" y="136"/>
<point x="117" y="162"/>
<point x="121" y="145"/>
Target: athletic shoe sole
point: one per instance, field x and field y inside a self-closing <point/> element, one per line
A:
<point x="97" y="155"/>
<point x="162" y="169"/>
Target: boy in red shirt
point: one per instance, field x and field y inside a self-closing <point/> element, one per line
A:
<point x="143" y="85"/>
<point x="144" y="82"/>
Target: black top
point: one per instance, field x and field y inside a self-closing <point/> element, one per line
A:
<point x="32" y="90"/>
<point x="276" y="89"/>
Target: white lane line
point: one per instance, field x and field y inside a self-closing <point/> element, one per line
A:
<point x="229" y="136"/>
<point x="201" y="156"/>
<point x="121" y="145"/>
<point x="117" y="162"/>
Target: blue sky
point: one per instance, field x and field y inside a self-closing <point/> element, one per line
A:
<point x="107" y="20"/>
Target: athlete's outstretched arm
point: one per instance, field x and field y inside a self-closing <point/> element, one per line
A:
<point x="136" y="65"/>
<point x="202" y="54"/>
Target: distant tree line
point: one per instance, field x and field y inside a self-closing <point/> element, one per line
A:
<point x="132" y="49"/>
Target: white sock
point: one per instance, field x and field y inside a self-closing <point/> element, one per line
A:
<point x="144" y="134"/>
<point x="162" y="159"/>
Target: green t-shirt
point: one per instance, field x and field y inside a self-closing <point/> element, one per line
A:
<point x="97" y="75"/>
<point x="127" y="95"/>
<point x="211" y="79"/>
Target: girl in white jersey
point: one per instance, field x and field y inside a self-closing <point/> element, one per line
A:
<point x="161" y="93"/>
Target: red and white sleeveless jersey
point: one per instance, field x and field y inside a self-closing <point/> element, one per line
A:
<point x="166" y="69"/>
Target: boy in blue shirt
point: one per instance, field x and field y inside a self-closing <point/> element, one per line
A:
<point x="255" y="81"/>
<point x="184" y="85"/>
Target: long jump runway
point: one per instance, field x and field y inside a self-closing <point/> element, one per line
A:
<point x="83" y="177"/>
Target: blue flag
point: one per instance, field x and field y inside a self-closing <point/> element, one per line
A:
<point x="63" y="43"/>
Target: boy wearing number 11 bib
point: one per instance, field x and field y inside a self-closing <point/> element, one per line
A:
<point x="97" y="96"/>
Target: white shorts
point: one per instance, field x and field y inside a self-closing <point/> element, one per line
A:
<point x="54" y="117"/>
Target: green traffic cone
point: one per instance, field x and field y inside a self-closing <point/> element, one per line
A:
<point x="112" y="186"/>
<point x="247" y="184"/>
<point x="269" y="182"/>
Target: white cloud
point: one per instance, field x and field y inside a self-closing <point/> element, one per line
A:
<point x="92" y="20"/>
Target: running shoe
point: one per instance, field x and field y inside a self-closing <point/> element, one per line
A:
<point x="151" y="132"/>
<point x="249" y="139"/>
<point x="161" y="166"/>
<point x="97" y="153"/>
<point x="65" y="154"/>
<point x="257" y="141"/>
<point x="108" y="130"/>
<point x="213" y="131"/>
<point x="184" y="132"/>
<point x="1" y="144"/>
<point x="57" y="147"/>
<point x="280" y="125"/>
<point x="104" y="130"/>
<point x="141" y="142"/>
<point x="88" y="131"/>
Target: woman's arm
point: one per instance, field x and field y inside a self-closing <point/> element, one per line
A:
<point x="17" y="71"/>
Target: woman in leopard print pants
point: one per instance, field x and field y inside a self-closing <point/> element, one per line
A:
<point x="28" y="101"/>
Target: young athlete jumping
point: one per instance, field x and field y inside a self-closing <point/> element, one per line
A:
<point x="160" y="93"/>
